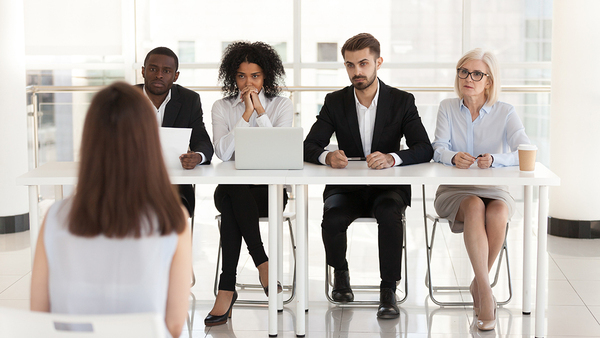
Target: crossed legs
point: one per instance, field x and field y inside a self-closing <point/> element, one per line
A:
<point x="484" y="228"/>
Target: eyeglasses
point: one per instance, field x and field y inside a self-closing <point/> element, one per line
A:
<point x="475" y="75"/>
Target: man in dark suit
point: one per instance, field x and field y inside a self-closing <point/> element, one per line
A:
<point x="369" y="119"/>
<point x="177" y="107"/>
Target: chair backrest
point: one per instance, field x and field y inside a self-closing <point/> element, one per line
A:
<point x="21" y="323"/>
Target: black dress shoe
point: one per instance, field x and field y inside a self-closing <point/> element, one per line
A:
<point x="341" y="287"/>
<point x="212" y="320"/>
<point x="387" y="304"/>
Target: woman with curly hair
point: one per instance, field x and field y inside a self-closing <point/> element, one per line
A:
<point x="251" y="74"/>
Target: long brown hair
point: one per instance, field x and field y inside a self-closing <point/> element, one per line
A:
<point x="123" y="182"/>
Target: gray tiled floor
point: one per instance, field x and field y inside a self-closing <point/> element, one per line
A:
<point x="573" y="297"/>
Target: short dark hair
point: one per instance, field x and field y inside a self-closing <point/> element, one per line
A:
<point x="360" y="42"/>
<point x="163" y="51"/>
<point x="259" y="53"/>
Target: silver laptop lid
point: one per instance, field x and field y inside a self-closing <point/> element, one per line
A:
<point x="269" y="148"/>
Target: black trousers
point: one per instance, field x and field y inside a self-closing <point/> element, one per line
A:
<point x="188" y="198"/>
<point x="387" y="206"/>
<point x="240" y="207"/>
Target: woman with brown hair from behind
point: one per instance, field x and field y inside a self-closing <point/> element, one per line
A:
<point x="121" y="243"/>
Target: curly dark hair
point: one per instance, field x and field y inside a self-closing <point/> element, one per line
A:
<point x="259" y="53"/>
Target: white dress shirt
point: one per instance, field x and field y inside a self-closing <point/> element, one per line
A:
<point x="160" y="115"/>
<point x="366" y="121"/>
<point x="160" y="111"/>
<point x="497" y="131"/>
<point x="227" y="115"/>
<point x="366" y="125"/>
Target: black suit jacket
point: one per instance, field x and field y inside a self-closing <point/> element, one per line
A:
<point x="184" y="110"/>
<point x="396" y="117"/>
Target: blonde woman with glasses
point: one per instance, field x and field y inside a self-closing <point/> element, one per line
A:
<point x="476" y="131"/>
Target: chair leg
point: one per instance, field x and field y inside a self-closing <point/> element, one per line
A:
<point x="291" y="287"/>
<point x="293" y="244"/>
<point x="216" y="284"/>
<point x="405" y="261"/>
<point x="329" y="278"/>
<point x="192" y="231"/>
<point x="433" y="289"/>
<point x="190" y="319"/>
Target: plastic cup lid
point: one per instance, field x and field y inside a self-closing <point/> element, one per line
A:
<point x="527" y="147"/>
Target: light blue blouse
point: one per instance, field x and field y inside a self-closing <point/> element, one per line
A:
<point x="497" y="130"/>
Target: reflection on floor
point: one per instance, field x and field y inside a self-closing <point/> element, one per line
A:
<point x="573" y="299"/>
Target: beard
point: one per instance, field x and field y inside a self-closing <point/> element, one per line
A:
<point x="366" y="84"/>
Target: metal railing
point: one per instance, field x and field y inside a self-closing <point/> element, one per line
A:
<point x="35" y="112"/>
<point x="423" y="89"/>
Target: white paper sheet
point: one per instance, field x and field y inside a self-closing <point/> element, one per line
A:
<point x="174" y="142"/>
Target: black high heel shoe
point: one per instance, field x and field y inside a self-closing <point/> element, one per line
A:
<point x="266" y="288"/>
<point x="212" y="320"/>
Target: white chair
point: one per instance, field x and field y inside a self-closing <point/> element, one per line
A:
<point x="287" y="217"/>
<point x="456" y="289"/>
<point x="21" y="323"/>
<point x="329" y="273"/>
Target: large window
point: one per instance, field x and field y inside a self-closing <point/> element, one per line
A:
<point x="420" y="44"/>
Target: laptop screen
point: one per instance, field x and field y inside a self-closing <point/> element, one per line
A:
<point x="269" y="148"/>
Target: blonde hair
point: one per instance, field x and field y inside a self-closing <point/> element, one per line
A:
<point x="493" y="91"/>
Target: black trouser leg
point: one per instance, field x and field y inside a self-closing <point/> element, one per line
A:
<point x="240" y="207"/>
<point x="188" y="198"/>
<point x="339" y="211"/>
<point x="388" y="207"/>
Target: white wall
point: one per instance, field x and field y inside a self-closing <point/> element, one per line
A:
<point x="13" y="128"/>
<point x="574" y="119"/>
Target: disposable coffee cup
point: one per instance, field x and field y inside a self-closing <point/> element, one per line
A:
<point x="527" y="153"/>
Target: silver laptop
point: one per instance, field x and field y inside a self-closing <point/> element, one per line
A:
<point x="269" y="148"/>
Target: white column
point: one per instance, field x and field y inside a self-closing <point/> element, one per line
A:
<point x="574" y="117"/>
<point x="13" y="113"/>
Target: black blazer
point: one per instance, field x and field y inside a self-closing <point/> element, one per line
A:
<point x="184" y="110"/>
<point x="396" y="116"/>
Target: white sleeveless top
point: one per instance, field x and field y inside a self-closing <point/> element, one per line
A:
<point x="101" y="275"/>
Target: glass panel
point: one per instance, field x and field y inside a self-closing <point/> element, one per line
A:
<point x="532" y="29"/>
<point x="66" y="27"/>
<point x="327" y="52"/>
<point x="420" y="44"/>
<point x="212" y="25"/>
<point x="187" y="51"/>
<point x="281" y="49"/>
<point x="415" y="31"/>
<point x="504" y="26"/>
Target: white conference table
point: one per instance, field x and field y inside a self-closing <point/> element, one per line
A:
<point x="64" y="173"/>
<point x="60" y="174"/>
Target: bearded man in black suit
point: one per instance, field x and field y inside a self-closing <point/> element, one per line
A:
<point x="369" y="118"/>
